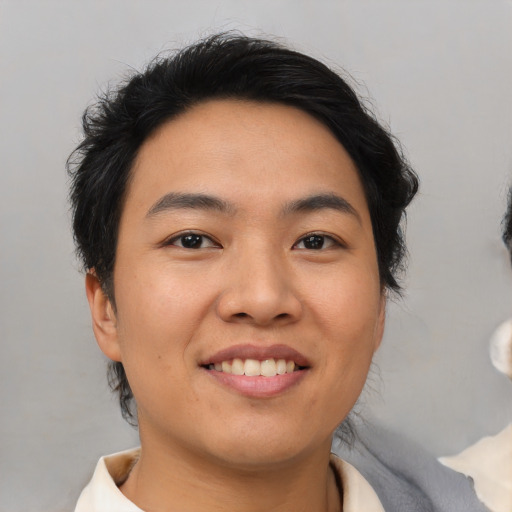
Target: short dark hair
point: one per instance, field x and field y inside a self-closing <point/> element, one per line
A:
<point x="226" y="66"/>
<point x="507" y="225"/>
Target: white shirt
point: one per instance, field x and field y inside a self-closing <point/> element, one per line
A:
<point x="103" y="495"/>
<point x="489" y="463"/>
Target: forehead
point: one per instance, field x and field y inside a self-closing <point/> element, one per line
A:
<point x="243" y="149"/>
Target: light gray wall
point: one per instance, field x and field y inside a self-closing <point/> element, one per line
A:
<point x="440" y="73"/>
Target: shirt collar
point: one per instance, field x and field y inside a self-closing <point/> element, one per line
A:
<point x="103" y="495"/>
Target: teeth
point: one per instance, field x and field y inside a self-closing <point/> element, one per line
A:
<point x="237" y="367"/>
<point x="255" y="368"/>
<point x="268" y="368"/>
<point x="252" y="368"/>
<point x="281" y="367"/>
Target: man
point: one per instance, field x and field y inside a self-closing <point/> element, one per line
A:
<point x="238" y="216"/>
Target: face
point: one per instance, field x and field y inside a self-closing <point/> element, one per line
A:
<point x="248" y="299"/>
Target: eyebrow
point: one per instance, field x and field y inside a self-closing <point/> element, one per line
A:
<point x="321" y="202"/>
<point x="179" y="201"/>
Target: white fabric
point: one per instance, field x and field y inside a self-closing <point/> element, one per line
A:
<point x="103" y="495"/>
<point x="489" y="463"/>
<point x="358" y="495"/>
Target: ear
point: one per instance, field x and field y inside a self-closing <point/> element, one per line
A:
<point x="381" y="321"/>
<point x="104" y="322"/>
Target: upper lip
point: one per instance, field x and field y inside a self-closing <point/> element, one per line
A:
<point x="257" y="352"/>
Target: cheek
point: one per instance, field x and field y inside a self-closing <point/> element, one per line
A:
<point x="348" y="316"/>
<point x="154" y="332"/>
<point x="157" y="298"/>
<point x="160" y="310"/>
<point x="349" y="305"/>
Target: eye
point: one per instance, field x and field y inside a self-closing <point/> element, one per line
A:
<point x="316" y="242"/>
<point x="192" y="241"/>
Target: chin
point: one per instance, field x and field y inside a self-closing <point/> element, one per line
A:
<point x="252" y="450"/>
<point x="258" y="457"/>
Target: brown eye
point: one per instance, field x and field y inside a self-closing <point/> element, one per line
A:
<point x="316" y="242"/>
<point x="313" y="242"/>
<point x="192" y="241"/>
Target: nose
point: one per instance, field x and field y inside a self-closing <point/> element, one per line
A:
<point x="260" y="290"/>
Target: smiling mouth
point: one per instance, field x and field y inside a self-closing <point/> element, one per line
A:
<point x="255" y="368"/>
<point x="257" y="371"/>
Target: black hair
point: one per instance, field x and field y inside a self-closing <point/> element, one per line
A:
<point x="226" y="66"/>
<point x="507" y="225"/>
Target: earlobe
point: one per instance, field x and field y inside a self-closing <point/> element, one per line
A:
<point x="104" y="321"/>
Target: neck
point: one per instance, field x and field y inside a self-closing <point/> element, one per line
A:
<point x="168" y="479"/>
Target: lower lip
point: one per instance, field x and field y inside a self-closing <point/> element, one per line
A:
<point x="259" y="387"/>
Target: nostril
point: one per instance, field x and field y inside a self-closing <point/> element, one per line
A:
<point x="241" y="315"/>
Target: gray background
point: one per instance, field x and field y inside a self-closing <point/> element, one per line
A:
<point x="440" y="73"/>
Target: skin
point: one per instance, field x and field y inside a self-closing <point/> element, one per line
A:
<point x="253" y="280"/>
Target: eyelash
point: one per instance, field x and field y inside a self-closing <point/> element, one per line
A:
<point x="331" y="241"/>
<point x="203" y="237"/>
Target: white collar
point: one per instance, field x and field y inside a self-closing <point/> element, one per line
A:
<point x="103" y="495"/>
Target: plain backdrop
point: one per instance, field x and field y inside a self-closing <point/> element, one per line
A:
<point x="439" y="74"/>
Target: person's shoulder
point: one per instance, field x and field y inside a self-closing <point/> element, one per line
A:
<point x="102" y="493"/>
<point x="488" y="463"/>
<point x="404" y="475"/>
